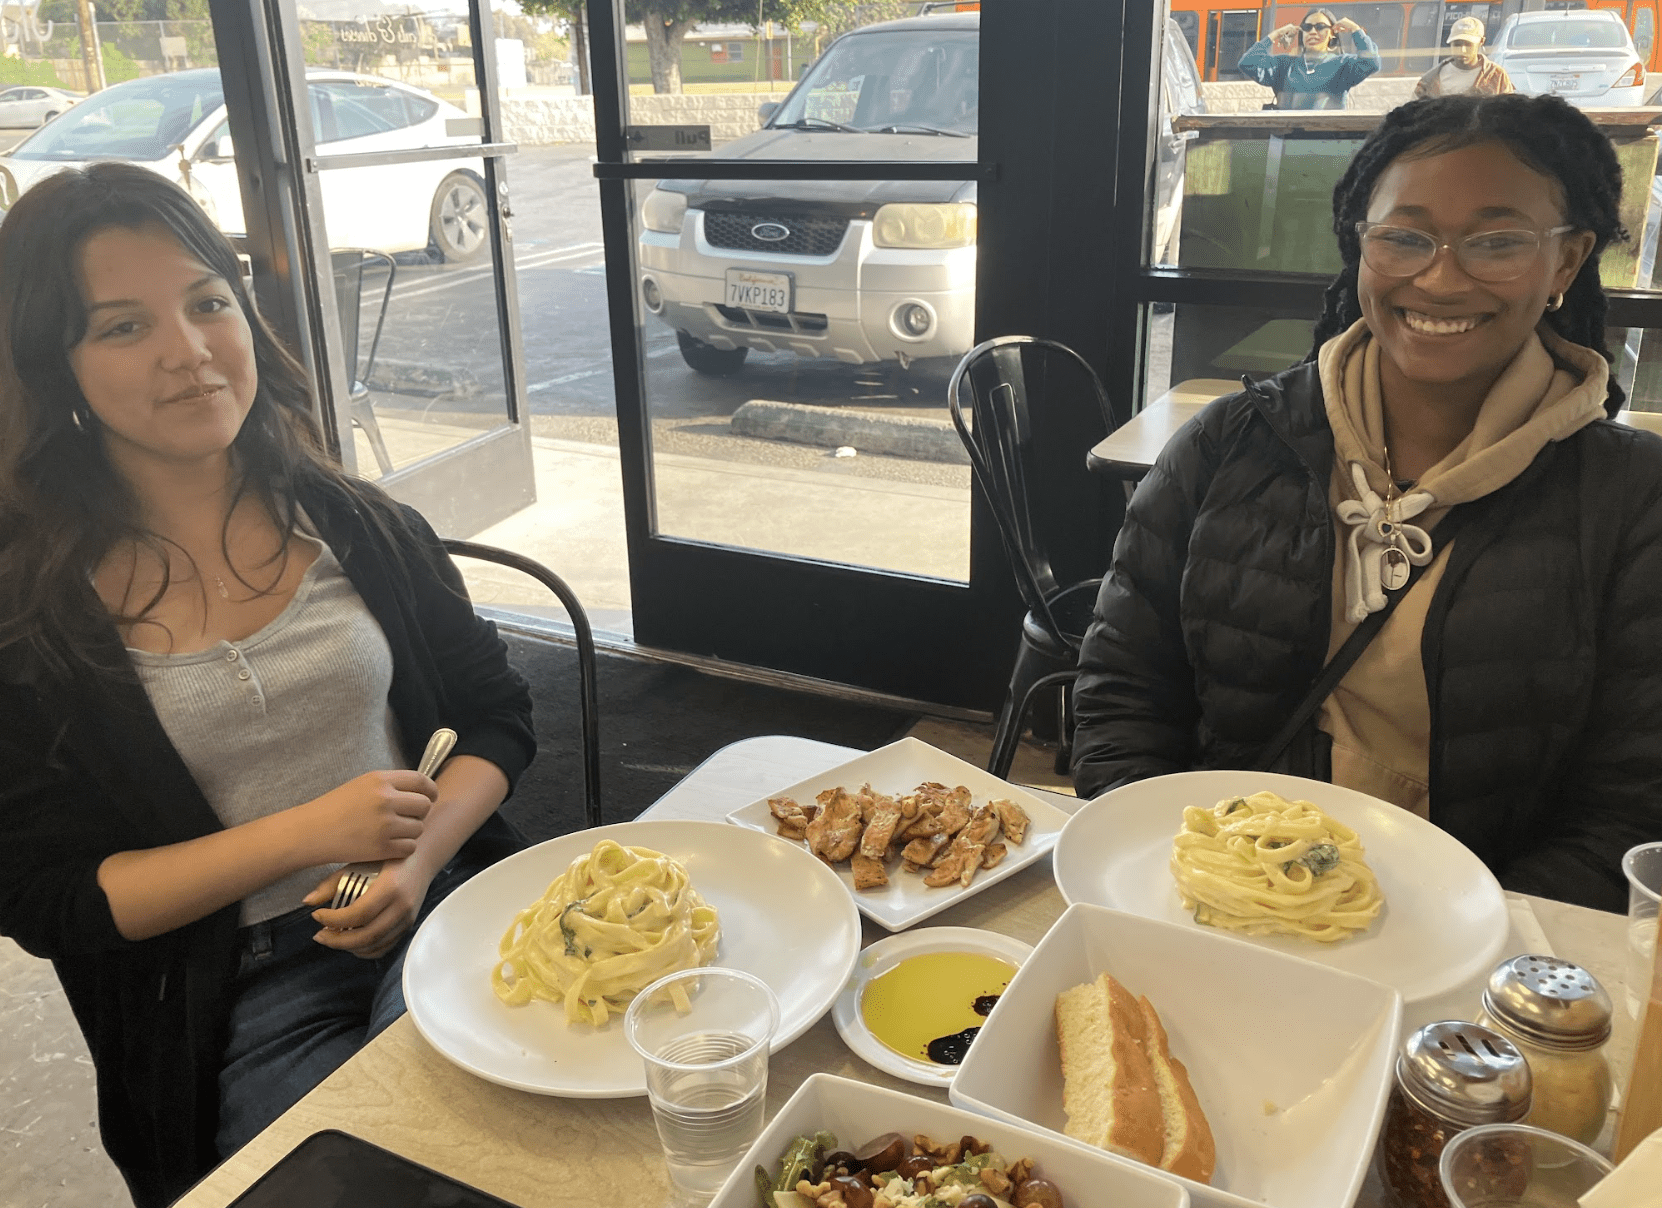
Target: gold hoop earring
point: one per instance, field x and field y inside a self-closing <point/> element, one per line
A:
<point x="1554" y="302"/>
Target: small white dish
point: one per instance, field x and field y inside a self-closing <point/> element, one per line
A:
<point x="858" y="1111"/>
<point x="896" y="769"/>
<point x="772" y="899"/>
<point x="1291" y="1060"/>
<point x="884" y="955"/>
<point x="1444" y="923"/>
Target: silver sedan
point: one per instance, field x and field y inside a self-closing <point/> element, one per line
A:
<point x="27" y="105"/>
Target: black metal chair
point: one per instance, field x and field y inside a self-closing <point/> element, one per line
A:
<point x="588" y="691"/>
<point x="1007" y="378"/>
<point x="348" y="265"/>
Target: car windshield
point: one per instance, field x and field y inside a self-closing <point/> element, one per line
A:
<point x="1567" y="35"/>
<point x="140" y="120"/>
<point x="907" y="80"/>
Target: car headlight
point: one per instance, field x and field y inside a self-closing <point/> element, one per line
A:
<point x="950" y="224"/>
<point x="663" y="211"/>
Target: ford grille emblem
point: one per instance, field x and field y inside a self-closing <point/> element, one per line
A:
<point x="770" y="232"/>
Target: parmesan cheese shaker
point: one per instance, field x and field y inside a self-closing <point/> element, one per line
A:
<point x="1559" y="1017"/>
<point x="1450" y="1076"/>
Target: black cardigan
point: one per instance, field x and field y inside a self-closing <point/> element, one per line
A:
<point x="88" y="771"/>
<point x="1542" y="647"/>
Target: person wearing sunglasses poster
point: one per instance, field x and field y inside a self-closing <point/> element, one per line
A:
<point x="1467" y="69"/>
<point x="1305" y="65"/>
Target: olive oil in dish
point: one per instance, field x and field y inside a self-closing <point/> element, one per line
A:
<point x="929" y="1007"/>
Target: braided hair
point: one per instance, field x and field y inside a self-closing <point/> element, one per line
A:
<point x="1545" y="133"/>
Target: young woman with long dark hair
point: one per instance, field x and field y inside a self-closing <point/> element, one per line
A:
<point x="219" y="658"/>
<point x="1446" y="451"/>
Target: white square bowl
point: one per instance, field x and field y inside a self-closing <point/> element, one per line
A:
<point x="896" y="769"/>
<point x="857" y="1111"/>
<point x="1291" y="1060"/>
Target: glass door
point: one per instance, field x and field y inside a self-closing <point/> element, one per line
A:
<point x="405" y="173"/>
<point x="786" y="308"/>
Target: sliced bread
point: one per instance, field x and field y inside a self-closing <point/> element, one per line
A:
<point x="1108" y="1083"/>
<point x="1189" y="1150"/>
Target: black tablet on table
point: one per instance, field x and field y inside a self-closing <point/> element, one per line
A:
<point x="331" y="1169"/>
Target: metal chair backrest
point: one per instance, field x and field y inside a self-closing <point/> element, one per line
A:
<point x="587" y="674"/>
<point x="1007" y="378"/>
<point x="348" y="266"/>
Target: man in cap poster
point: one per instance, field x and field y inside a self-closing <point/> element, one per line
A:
<point x="1468" y="69"/>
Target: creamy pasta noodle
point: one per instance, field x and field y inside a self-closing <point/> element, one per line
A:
<point x="613" y="923"/>
<point x="1263" y="865"/>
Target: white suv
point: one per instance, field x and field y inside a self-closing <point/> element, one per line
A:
<point x="860" y="270"/>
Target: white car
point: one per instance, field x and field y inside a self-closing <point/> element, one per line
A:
<point x="1583" y="55"/>
<point x="175" y="124"/>
<point x="28" y="105"/>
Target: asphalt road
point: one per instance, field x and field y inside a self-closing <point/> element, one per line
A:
<point x="560" y="267"/>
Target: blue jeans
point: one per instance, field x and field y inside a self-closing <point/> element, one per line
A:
<point x="300" y="1010"/>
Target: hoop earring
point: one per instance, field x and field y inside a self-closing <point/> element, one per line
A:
<point x="1554" y="302"/>
<point x="82" y="426"/>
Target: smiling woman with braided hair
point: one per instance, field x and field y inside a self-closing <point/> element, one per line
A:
<point x="1441" y="480"/>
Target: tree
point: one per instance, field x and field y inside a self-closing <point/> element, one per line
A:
<point x="668" y="21"/>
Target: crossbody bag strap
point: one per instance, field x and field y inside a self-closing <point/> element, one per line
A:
<point x="1345" y="658"/>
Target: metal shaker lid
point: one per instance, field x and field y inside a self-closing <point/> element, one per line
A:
<point x="1549" y="1002"/>
<point x="1465" y="1073"/>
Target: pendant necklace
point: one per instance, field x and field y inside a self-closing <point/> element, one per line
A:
<point x="220" y="583"/>
<point x="1394" y="566"/>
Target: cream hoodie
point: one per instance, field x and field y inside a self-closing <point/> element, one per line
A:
<point x="1379" y="716"/>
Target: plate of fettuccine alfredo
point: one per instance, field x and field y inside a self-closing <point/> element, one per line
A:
<point x="1305" y="867"/>
<point x="520" y="976"/>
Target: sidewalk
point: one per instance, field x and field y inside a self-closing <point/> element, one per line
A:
<point x="576" y="525"/>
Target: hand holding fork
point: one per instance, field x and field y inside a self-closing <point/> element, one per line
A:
<point x="356" y="878"/>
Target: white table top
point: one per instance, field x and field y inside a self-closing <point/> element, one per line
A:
<point x="1129" y="450"/>
<point x="538" y="1150"/>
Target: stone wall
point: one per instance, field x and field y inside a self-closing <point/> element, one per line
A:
<point x="558" y="119"/>
<point x="731" y="115"/>
<point x="1374" y="95"/>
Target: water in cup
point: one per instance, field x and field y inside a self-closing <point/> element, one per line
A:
<point x="1641" y="950"/>
<point x="707" y="1118"/>
<point x="706" y="1068"/>
<point x="1642" y="866"/>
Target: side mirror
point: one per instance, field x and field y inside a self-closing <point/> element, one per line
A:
<point x="218" y="149"/>
<point x="766" y="110"/>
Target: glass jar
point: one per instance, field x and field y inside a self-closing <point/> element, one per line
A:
<point x="1558" y="1016"/>
<point x="1450" y="1076"/>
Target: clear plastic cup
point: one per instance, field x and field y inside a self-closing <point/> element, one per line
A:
<point x="706" y="1068"/>
<point x="1518" y="1166"/>
<point x="1643" y="866"/>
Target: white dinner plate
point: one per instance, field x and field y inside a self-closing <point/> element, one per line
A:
<point x="1444" y="920"/>
<point x="884" y="955"/>
<point x="784" y="917"/>
<point x="897" y="769"/>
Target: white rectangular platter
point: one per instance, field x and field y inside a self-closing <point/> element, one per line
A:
<point x="898" y="769"/>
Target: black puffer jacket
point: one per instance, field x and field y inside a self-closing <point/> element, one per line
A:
<point x="1542" y="647"/>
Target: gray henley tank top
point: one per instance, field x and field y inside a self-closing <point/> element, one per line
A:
<point x="283" y="716"/>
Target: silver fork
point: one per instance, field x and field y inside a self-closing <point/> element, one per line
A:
<point x="355" y="878"/>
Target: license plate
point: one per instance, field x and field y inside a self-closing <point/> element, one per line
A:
<point x="759" y="291"/>
<point x="1565" y="83"/>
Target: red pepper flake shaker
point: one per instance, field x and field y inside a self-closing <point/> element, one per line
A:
<point x="1450" y="1076"/>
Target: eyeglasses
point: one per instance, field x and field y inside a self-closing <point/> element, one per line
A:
<point x="1395" y="251"/>
<point x="1311" y="26"/>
